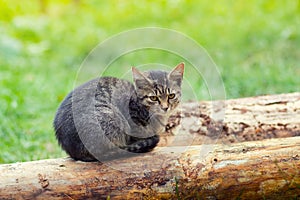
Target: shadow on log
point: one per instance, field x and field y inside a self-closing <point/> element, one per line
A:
<point x="204" y="160"/>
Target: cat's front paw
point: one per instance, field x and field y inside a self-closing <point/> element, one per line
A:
<point x="143" y="145"/>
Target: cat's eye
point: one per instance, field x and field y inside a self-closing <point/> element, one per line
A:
<point x="153" y="98"/>
<point x="171" y="96"/>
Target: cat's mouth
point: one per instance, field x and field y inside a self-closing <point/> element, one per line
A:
<point x="160" y="113"/>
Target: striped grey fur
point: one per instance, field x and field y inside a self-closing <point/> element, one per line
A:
<point x="106" y="117"/>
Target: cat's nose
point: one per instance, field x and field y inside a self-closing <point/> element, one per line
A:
<point x="164" y="105"/>
<point x="165" y="108"/>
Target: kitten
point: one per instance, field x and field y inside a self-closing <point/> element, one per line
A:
<point x="107" y="117"/>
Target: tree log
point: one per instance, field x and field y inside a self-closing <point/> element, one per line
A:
<point x="253" y="153"/>
<point x="266" y="169"/>
<point x="237" y="120"/>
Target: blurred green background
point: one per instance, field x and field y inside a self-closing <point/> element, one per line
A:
<point x="255" y="44"/>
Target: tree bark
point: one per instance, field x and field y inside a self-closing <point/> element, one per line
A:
<point x="232" y="121"/>
<point x="252" y="154"/>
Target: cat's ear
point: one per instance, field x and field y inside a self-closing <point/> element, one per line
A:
<point x="139" y="78"/>
<point x="177" y="74"/>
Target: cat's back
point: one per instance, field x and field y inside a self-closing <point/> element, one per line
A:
<point x="104" y="84"/>
<point x="114" y="91"/>
<point x="99" y="91"/>
<point x="112" y="85"/>
<point x="79" y="105"/>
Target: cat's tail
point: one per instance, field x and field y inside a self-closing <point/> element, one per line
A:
<point x="143" y="145"/>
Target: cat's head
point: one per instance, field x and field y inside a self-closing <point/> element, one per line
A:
<point x="159" y="91"/>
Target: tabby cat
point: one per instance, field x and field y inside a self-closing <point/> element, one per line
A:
<point x="108" y="117"/>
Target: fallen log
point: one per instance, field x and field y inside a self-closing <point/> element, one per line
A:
<point x="202" y="156"/>
<point x="266" y="169"/>
<point x="236" y="120"/>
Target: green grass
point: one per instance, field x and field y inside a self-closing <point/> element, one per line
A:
<point x="255" y="45"/>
